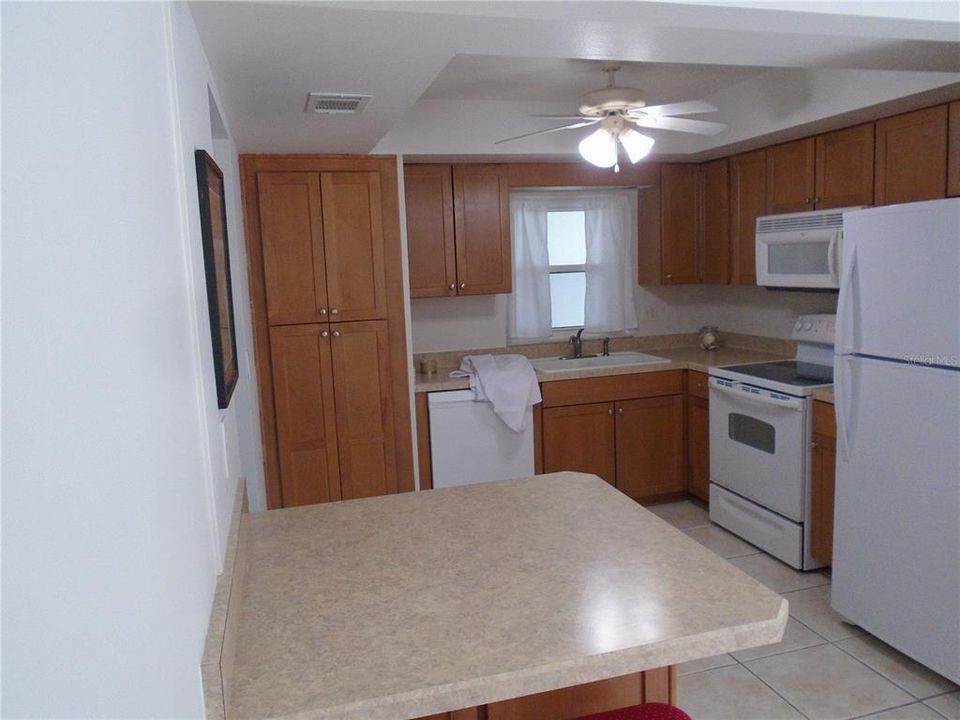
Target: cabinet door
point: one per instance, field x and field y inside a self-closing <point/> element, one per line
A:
<point x="714" y="205"/>
<point x="353" y="236"/>
<point x="911" y="157"/>
<point x="291" y="231"/>
<point x="650" y="457"/>
<point x="790" y="182"/>
<point x="304" y="402"/>
<point x="845" y="168"/>
<point x="698" y="447"/>
<point x="361" y="368"/>
<point x="482" y="229"/>
<point x="428" y="190"/>
<point x="953" y="150"/>
<point x="678" y="224"/>
<point x="823" y="458"/>
<point x="748" y="201"/>
<point x="581" y="438"/>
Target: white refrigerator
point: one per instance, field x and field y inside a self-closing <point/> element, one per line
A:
<point x="896" y="563"/>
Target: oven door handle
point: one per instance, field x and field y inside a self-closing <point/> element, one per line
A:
<point x="736" y="391"/>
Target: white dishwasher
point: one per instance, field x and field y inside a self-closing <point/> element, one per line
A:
<point x="470" y="444"/>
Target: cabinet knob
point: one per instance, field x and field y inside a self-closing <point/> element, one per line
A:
<point x="818" y="199"/>
<point x="806" y="201"/>
<point x="669" y="275"/>
<point x="453" y="286"/>
<point x="336" y="333"/>
<point x="699" y="386"/>
<point x="323" y="311"/>
<point x="462" y="285"/>
<point x="814" y="445"/>
<point x="324" y="333"/>
<point x="610" y="411"/>
<point x="619" y="411"/>
<point x="334" y="311"/>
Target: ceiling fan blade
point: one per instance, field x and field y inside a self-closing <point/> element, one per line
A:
<point x="549" y="130"/>
<point x="690" y="107"/>
<point x="698" y="127"/>
<point x="564" y="117"/>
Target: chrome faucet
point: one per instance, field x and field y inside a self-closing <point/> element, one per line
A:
<point x="606" y="347"/>
<point x="577" y="344"/>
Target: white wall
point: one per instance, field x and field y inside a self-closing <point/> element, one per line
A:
<point x="481" y="321"/>
<point x="117" y="477"/>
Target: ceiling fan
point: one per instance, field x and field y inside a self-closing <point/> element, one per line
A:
<point x="617" y="110"/>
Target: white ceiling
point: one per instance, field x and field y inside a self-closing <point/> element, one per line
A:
<point x="450" y="78"/>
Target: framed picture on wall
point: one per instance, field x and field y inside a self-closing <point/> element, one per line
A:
<point x="216" y="260"/>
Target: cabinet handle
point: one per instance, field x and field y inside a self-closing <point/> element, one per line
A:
<point x="323" y="311"/>
<point x="334" y="311"/>
<point x="463" y="285"/>
<point x="453" y="286"/>
<point x="336" y="333"/>
<point x="324" y="333"/>
<point x="610" y="412"/>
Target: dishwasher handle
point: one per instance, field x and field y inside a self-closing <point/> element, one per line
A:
<point x="739" y="391"/>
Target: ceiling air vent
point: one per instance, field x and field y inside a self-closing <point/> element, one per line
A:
<point x="336" y="103"/>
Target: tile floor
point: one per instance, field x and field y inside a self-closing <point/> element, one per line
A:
<point x="823" y="669"/>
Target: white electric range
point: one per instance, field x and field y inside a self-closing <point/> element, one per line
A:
<point x="760" y="433"/>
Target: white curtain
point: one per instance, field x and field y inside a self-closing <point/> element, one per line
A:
<point x="611" y="237"/>
<point x="611" y="268"/>
<point x="529" y="308"/>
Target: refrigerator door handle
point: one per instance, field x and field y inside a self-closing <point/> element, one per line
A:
<point x="845" y="307"/>
<point x="843" y="404"/>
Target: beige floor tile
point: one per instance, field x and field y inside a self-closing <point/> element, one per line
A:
<point x="709" y="663"/>
<point x="684" y="514"/>
<point x="824" y="683"/>
<point x="723" y="543"/>
<point x="795" y="637"/>
<point x="946" y="705"/>
<point x="914" y="711"/>
<point x="913" y="677"/>
<point x="776" y="575"/>
<point x="731" y="693"/>
<point x="812" y="608"/>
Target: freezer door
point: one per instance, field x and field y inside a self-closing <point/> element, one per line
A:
<point x="900" y="285"/>
<point x="896" y="556"/>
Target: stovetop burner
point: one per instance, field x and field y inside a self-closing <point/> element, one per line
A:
<point x="789" y="372"/>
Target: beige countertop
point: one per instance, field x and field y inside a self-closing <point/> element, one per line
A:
<point x="824" y="394"/>
<point x="418" y="603"/>
<point x="686" y="358"/>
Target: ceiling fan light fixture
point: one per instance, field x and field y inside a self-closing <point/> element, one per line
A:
<point x="599" y="148"/>
<point x="636" y="144"/>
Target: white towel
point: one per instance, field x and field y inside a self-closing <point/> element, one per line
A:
<point x="508" y="382"/>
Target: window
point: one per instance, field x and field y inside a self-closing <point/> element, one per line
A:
<point x="567" y="252"/>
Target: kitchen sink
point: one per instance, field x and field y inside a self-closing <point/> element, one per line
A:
<point x="613" y="360"/>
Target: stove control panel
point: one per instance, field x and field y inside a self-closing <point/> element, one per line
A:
<point x="817" y="329"/>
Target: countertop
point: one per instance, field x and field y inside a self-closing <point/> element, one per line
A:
<point x="688" y="358"/>
<point x="411" y="604"/>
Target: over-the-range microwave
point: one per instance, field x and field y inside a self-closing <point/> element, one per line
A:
<point x="801" y="250"/>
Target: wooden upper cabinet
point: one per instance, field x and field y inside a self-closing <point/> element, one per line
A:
<point x="649" y="441"/>
<point x="364" y="411"/>
<point x="580" y="438"/>
<point x="680" y="254"/>
<point x="845" y="167"/>
<point x="790" y="177"/>
<point x="911" y="157"/>
<point x="714" y="230"/>
<point x="291" y="230"/>
<point x="428" y="190"/>
<point x="304" y="402"/>
<point x="953" y="150"/>
<point x="481" y="204"/>
<point x="748" y="201"/>
<point x="353" y="239"/>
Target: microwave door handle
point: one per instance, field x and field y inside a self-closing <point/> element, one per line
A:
<point x="739" y="394"/>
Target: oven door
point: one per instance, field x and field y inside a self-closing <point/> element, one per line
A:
<point x="757" y="445"/>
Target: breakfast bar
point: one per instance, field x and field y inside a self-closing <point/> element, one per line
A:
<point x="417" y="604"/>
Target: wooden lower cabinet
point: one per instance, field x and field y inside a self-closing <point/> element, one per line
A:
<point x="581" y="438"/>
<point x="823" y="457"/>
<point x="658" y="685"/>
<point x="633" y="439"/>
<point x="333" y="403"/>
<point x="698" y="435"/>
<point x="650" y="446"/>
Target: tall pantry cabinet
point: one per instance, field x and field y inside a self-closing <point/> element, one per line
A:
<point x="323" y="247"/>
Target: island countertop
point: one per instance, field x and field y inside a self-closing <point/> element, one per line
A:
<point x="418" y="603"/>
